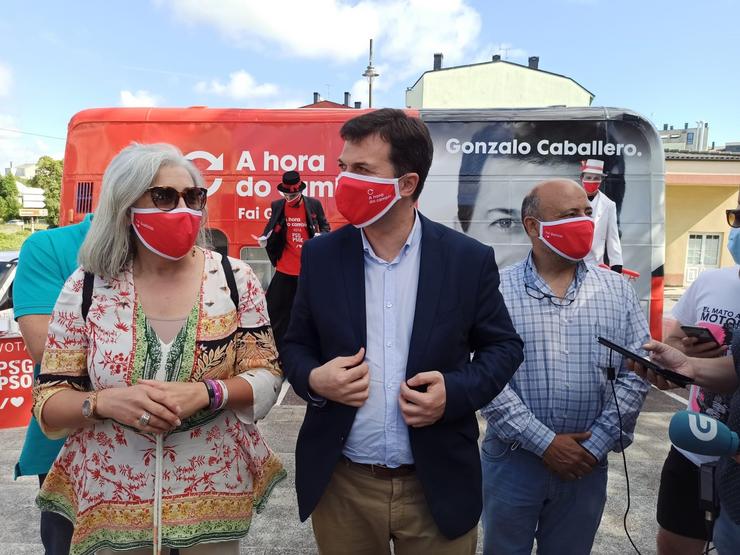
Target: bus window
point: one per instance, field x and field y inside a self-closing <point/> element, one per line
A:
<point x="257" y="258"/>
<point x="219" y="241"/>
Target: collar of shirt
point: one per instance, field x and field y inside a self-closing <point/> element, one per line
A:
<point x="534" y="280"/>
<point x="412" y="240"/>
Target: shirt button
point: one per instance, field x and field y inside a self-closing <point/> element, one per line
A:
<point x="389" y="344"/>
<point x="566" y="351"/>
<point x="388" y="305"/>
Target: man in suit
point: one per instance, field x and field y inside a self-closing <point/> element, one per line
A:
<point x="387" y="315"/>
<point x="294" y="220"/>
<point x="606" y="232"/>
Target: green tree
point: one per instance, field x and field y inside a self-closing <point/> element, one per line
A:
<point x="10" y="204"/>
<point x="49" y="178"/>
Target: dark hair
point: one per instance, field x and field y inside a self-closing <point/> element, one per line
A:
<point x="411" y="145"/>
<point x="531" y="205"/>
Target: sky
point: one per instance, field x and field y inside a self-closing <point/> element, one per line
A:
<point x="672" y="61"/>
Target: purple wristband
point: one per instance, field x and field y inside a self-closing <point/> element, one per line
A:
<point x="215" y="401"/>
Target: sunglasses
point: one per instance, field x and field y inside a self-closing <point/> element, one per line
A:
<point x="167" y="198"/>
<point x="733" y="217"/>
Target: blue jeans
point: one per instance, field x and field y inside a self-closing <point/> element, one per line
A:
<point x="523" y="500"/>
<point x="726" y="536"/>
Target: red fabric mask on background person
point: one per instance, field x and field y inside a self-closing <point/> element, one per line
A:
<point x="591" y="185"/>
<point x="364" y="199"/>
<point x="171" y="234"/>
<point x="570" y="238"/>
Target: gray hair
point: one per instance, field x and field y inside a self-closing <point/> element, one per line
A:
<point x="109" y="244"/>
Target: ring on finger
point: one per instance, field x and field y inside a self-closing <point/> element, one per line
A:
<point x="145" y="418"/>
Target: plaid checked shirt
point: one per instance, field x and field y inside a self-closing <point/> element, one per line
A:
<point x="562" y="386"/>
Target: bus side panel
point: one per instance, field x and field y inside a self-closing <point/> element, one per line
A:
<point x="484" y="166"/>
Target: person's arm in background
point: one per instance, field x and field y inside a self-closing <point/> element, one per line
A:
<point x="37" y="284"/>
<point x="685" y="313"/>
<point x="613" y="244"/>
<point x="321" y="218"/>
<point x="715" y="374"/>
<point x="271" y="222"/>
<point x="690" y="346"/>
<point x="513" y="421"/>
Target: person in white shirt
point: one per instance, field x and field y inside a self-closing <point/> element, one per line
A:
<point x="606" y="233"/>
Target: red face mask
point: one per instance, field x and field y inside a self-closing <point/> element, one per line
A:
<point x="571" y="238"/>
<point x="591" y="186"/>
<point x="363" y="199"/>
<point x="170" y="234"/>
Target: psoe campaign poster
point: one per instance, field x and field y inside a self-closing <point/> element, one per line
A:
<point x="16" y="383"/>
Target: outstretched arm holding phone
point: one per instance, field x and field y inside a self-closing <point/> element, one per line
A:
<point x="716" y="374"/>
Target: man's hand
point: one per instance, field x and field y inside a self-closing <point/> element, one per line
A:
<point x="669" y="358"/>
<point x="707" y="349"/>
<point x="423" y="408"/>
<point x="344" y="380"/>
<point x="567" y="458"/>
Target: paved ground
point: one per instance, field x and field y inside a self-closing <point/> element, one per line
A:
<point x="277" y="530"/>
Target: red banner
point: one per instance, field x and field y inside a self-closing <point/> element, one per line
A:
<point x="16" y="383"/>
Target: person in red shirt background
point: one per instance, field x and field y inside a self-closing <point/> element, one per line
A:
<point x="295" y="219"/>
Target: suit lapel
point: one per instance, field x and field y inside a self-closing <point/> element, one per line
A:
<point x="431" y="272"/>
<point x="353" y="269"/>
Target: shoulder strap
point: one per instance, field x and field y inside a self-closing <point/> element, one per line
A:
<point x="87" y="291"/>
<point x="230" y="281"/>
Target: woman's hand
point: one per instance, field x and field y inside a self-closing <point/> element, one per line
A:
<point x="182" y="398"/>
<point x="127" y="405"/>
<point x="668" y="357"/>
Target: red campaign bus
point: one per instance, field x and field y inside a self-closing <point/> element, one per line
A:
<point x="484" y="163"/>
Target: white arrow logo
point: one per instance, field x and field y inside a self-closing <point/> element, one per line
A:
<point x="703" y="428"/>
<point x="217" y="165"/>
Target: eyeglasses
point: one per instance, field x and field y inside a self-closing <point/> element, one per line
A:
<point x="733" y="217"/>
<point x="535" y="293"/>
<point x="167" y="198"/>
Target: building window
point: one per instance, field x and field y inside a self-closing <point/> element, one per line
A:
<point x="690" y="138"/>
<point x="702" y="254"/>
<point x="257" y="258"/>
<point x="84" y="197"/>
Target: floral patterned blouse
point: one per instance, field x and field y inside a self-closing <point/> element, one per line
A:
<point x="198" y="483"/>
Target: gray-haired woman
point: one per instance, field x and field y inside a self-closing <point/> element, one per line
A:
<point x="159" y="361"/>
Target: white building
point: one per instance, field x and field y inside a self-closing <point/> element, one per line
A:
<point x="26" y="171"/>
<point x="494" y="84"/>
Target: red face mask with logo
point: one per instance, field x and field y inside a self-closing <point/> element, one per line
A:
<point x="591" y="185"/>
<point x="570" y="238"/>
<point x="364" y="199"/>
<point x="171" y="234"/>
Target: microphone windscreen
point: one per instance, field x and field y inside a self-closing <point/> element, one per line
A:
<point x="698" y="433"/>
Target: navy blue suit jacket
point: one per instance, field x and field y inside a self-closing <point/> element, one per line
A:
<point x="459" y="312"/>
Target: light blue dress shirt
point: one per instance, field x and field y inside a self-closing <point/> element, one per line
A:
<point x="379" y="434"/>
<point x="562" y="387"/>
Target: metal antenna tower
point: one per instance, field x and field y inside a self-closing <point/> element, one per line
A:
<point x="370" y="74"/>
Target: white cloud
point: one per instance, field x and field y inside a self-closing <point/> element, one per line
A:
<point x="6" y="79"/>
<point x="240" y="86"/>
<point x="406" y="33"/>
<point x="139" y="99"/>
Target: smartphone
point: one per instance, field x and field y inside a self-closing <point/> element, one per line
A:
<point x="702" y="334"/>
<point x="669" y="375"/>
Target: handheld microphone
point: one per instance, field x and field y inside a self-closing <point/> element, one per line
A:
<point x="698" y="433"/>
